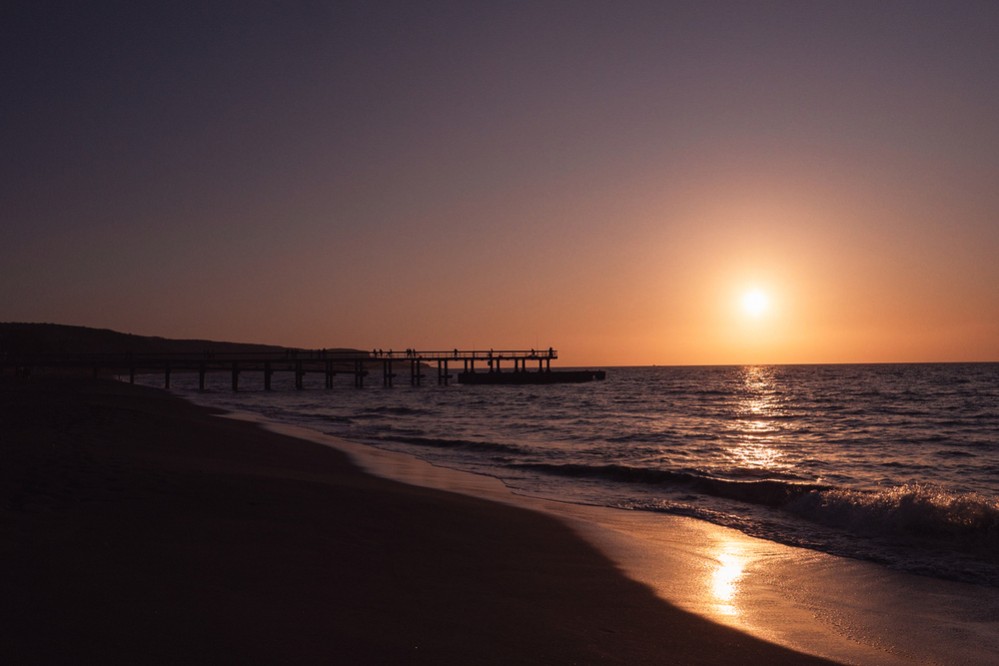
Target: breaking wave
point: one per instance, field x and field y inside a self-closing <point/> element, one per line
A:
<point x="918" y="511"/>
<point x="911" y="513"/>
<point x="767" y="492"/>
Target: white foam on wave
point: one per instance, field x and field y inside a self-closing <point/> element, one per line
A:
<point x="913" y="508"/>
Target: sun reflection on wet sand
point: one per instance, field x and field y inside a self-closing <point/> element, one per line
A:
<point x="725" y="577"/>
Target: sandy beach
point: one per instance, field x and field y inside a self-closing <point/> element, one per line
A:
<point x="140" y="528"/>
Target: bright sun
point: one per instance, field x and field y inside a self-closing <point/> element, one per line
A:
<point x="755" y="302"/>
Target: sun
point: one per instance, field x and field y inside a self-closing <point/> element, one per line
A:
<point x="755" y="302"/>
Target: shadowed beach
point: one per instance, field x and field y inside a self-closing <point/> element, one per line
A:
<point x="141" y="528"/>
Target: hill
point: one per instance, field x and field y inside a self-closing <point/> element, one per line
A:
<point x="26" y="338"/>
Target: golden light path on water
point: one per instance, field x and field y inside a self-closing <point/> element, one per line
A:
<point x="753" y="450"/>
<point x="754" y="437"/>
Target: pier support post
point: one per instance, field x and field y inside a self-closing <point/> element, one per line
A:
<point x="387" y="373"/>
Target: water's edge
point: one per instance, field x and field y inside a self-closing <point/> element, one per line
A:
<point x="851" y="611"/>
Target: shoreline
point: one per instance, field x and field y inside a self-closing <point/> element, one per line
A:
<point x="142" y="528"/>
<point x="848" y="610"/>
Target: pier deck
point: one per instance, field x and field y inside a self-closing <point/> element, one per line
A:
<point x="300" y="362"/>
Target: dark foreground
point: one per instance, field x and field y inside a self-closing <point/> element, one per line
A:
<point x="137" y="528"/>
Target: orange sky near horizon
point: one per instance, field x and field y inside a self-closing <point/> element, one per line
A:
<point x="607" y="179"/>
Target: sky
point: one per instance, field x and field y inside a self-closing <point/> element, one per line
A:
<point x="610" y="179"/>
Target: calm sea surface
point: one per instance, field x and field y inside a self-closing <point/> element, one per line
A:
<point x="897" y="464"/>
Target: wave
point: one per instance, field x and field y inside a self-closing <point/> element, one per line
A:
<point x="439" y="443"/>
<point x="767" y="492"/>
<point x="321" y="416"/>
<point x="373" y="412"/>
<point x="913" y="513"/>
<point x="913" y="510"/>
<point x="951" y="453"/>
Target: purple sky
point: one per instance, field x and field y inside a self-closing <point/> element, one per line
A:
<point x="606" y="178"/>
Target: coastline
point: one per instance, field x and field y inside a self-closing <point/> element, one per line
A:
<point x="142" y="528"/>
<point x="849" y="611"/>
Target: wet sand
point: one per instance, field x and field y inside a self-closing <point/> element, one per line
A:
<point x="140" y="528"/>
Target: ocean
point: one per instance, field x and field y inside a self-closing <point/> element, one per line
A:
<point x="892" y="464"/>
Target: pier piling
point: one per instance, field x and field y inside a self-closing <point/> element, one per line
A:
<point x="359" y="373"/>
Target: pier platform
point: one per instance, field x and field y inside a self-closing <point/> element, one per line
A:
<point x="473" y="366"/>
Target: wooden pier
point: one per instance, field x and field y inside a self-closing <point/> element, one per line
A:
<point x="300" y="362"/>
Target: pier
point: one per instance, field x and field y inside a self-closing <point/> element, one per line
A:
<point x="390" y="364"/>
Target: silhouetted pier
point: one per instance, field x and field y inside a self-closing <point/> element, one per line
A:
<point x="329" y="363"/>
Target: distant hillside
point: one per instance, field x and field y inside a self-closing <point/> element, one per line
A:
<point x="20" y="338"/>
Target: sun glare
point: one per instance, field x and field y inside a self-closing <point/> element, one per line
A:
<point x="755" y="302"/>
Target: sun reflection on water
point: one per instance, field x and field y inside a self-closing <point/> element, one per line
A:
<point x="759" y="435"/>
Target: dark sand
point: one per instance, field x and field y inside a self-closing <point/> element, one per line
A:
<point x="138" y="528"/>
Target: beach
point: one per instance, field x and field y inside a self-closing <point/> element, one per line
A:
<point x="141" y="528"/>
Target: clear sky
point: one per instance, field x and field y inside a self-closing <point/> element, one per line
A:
<point x="608" y="178"/>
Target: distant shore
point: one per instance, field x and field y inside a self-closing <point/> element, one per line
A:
<point x="140" y="528"/>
